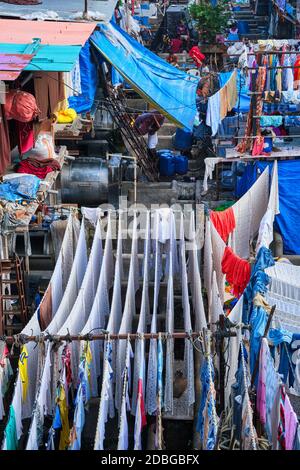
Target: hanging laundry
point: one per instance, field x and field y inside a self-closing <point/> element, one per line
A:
<point x="224" y="222"/>
<point x="213" y="118"/>
<point x="151" y="392"/>
<point x="140" y="415"/>
<point x="144" y="314"/>
<point x="160" y="366"/>
<point x="237" y="271"/>
<point x="106" y="397"/>
<point x="129" y="309"/>
<point x="22" y="365"/>
<point x="125" y="406"/>
<point x="195" y="280"/>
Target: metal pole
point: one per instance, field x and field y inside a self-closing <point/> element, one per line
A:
<point x="85" y="12"/>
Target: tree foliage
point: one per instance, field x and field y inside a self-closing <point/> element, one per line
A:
<point x="211" y="20"/>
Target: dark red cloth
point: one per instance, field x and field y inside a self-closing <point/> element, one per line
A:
<point x="176" y="45"/>
<point x="4" y="142"/>
<point x="224" y="222"/>
<point x="39" y="168"/>
<point x="237" y="270"/>
<point x="196" y="55"/>
<point x="25" y="136"/>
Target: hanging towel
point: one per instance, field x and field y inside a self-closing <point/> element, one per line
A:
<point x="224" y="222"/>
<point x="213" y="112"/>
<point x="237" y="271"/>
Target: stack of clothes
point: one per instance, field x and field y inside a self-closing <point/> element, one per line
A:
<point x="39" y="167"/>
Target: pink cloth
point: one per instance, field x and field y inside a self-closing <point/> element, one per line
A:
<point x="261" y="387"/>
<point x="291" y="424"/>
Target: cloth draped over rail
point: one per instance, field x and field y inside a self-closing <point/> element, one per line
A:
<point x="22" y="410"/>
<point x="45" y="398"/>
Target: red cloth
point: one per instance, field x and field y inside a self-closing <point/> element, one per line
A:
<point x="25" y="136"/>
<point x="224" y="222"/>
<point x="39" y="168"/>
<point x="176" y="45"/>
<point x="196" y="55"/>
<point x="4" y="142"/>
<point x="237" y="270"/>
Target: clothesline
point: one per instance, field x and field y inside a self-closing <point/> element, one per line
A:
<point x="104" y="336"/>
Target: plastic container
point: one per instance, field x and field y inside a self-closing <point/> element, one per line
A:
<point x="227" y="180"/>
<point x="183" y="139"/>
<point x="181" y="164"/>
<point x="167" y="164"/>
<point x="268" y="145"/>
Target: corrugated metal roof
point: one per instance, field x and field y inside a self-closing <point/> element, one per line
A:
<point x="46" y="58"/>
<point x="50" y="32"/>
<point x="65" y="9"/>
<point x="11" y="65"/>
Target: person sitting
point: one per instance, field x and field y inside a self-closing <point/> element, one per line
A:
<point x="176" y="45"/>
<point x="233" y="33"/>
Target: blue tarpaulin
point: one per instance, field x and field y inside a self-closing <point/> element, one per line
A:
<point x="89" y="81"/>
<point x="288" y="221"/>
<point x="19" y="188"/>
<point x="169" y="90"/>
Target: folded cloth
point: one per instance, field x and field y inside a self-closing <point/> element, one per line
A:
<point x="268" y="121"/>
<point x="224" y="222"/>
<point x="292" y="121"/>
<point x="237" y="271"/>
<point x="38" y="167"/>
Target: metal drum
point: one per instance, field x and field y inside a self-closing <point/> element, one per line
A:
<point x="90" y="181"/>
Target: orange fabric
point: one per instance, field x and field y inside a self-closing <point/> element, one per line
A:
<point x="224" y="222"/>
<point x="237" y="270"/>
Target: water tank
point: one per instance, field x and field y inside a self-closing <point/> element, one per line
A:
<point x="91" y="181"/>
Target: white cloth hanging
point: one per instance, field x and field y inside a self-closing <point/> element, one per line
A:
<point x="265" y="234"/>
<point x="96" y="316"/>
<point x="248" y="213"/>
<point x="151" y="390"/>
<point x="188" y="347"/>
<point x="125" y="406"/>
<point x="233" y="347"/>
<point x="168" y="395"/>
<point x="128" y="312"/>
<point x="195" y="280"/>
<point x="144" y="313"/>
<point x="105" y="399"/>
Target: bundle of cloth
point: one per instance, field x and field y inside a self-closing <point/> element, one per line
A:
<point x="42" y="159"/>
<point x="38" y="167"/>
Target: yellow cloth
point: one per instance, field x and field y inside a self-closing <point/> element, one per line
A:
<point x="66" y="116"/>
<point x="88" y="360"/>
<point x="23" y="370"/>
<point x="223" y="102"/>
<point x="231" y="92"/>
<point x="63" y="409"/>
